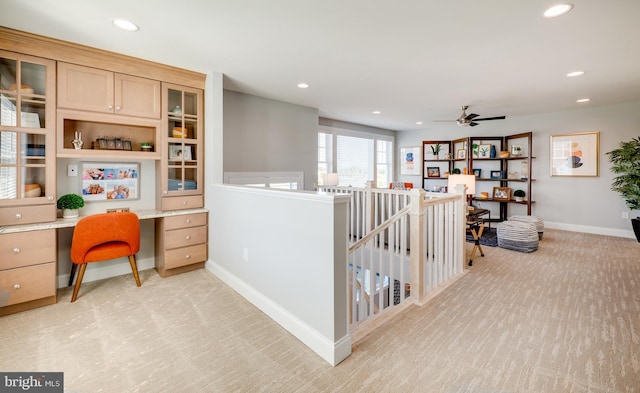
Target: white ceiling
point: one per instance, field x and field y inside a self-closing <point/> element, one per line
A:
<point x="413" y="60"/>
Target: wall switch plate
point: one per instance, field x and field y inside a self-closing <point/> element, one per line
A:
<point x="72" y="170"/>
<point x="245" y="254"/>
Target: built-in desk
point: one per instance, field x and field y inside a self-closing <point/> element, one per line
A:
<point x="28" y="254"/>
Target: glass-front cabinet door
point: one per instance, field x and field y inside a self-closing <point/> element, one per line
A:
<point x="27" y="131"/>
<point x="182" y="164"/>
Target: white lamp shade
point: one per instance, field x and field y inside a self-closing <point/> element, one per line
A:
<point x="467" y="180"/>
<point x="330" y="179"/>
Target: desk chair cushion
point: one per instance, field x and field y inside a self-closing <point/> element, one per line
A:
<point x="105" y="236"/>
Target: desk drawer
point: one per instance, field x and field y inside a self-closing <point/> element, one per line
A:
<point x="185" y="221"/>
<point x="27" y="283"/>
<point x="185" y="237"/>
<point x="182" y="202"/>
<point x="17" y="215"/>
<point x="185" y="256"/>
<point x="27" y="248"/>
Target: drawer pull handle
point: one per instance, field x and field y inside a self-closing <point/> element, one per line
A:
<point x="188" y="221"/>
<point x="110" y="107"/>
<point x="187" y="256"/>
<point x="118" y="108"/>
<point x="184" y="202"/>
<point x="16" y="250"/>
<point x="188" y="237"/>
<point x="18" y="216"/>
<point x="16" y="286"/>
<point x="50" y="198"/>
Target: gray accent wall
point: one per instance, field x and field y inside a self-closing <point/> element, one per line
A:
<point x="264" y="135"/>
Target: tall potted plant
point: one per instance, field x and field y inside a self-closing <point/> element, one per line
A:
<point x="70" y="203"/>
<point x="626" y="165"/>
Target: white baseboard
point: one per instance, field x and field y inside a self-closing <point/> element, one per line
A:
<point x="590" y="229"/>
<point x="332" y="352"/>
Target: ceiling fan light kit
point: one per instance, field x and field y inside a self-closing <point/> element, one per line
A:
<point x="470" y="119"/>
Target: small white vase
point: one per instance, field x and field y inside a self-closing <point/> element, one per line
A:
<point x="69" y="213"/>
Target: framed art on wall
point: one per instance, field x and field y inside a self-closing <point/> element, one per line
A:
<point x="574" y="154"/>
<point x="106" y="181"/>
<point x="409" y="160"/>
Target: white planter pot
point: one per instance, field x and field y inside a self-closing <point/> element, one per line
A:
<point x="69" y="213"/>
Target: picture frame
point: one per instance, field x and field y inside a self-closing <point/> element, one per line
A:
<point x="110" y="181"/>
<point x="496" y="174"/>
<point x="477" y="172"/>
<point x="178" y="152"/>
<point x="501" y="194"/>
<point x="575" y="155"/>
<point x="433" y="171"/>
<point x="409" y="160"/>
<point x="462" y="154"/>
<point x="484" y="151"/>
<point x="126" y="145"/>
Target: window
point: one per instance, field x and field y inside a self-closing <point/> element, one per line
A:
<point x="357" y="157"/>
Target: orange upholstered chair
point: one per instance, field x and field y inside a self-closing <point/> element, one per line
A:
<point x="102" y="237"/>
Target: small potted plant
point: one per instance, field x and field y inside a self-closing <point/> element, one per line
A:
<point x="146" y="146"/>
<point x="626" y="164"/>
<point x="70" y="203"/>
<point x="435" y="149"/>
<point x="519" y="195"/>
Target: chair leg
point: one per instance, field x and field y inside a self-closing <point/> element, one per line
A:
<point x="73" y="273"/>
<point x="83" y="267"/>
<point x="134" y="268"/>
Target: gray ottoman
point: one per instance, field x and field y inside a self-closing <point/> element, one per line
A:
<point x="518" y="236"/>
<point x="536" y="220"/>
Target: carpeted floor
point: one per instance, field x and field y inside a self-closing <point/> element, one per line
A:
<point x="489" y="237"/>
<point x="565" y="318"/>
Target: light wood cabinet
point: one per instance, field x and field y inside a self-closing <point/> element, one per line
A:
<point x="181" y="243"/>
<point x="27" y="135"/>
<point x="182" y="162"/>
<point x="96" y="90"/>
<point x="27" y="273"/>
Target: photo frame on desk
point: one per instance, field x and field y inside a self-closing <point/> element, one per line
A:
<point x="110" y="181"/>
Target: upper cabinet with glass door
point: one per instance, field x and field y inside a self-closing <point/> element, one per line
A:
<point x="182" y="164"/>
<point x="27" y="139"/>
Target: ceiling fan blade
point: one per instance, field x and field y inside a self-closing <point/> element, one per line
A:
<point x="471" y="116"/>
<point x="491" y="118"/>
<point x="472" y="124"/>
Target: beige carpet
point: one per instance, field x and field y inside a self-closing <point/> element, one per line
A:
<point x="565" y="318"/>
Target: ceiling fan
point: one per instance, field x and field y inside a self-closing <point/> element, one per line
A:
<point x="470" y="119"/>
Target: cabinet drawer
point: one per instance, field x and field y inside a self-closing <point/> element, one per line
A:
<point x="27" y="214"/>
<point x="185" y="237"/>
<point x="27" y="283"/>
<point x="185" y="221"/>
<point x="27" y="248"/>
<point x="185" y="256"/>
<point x="183" y="202"/>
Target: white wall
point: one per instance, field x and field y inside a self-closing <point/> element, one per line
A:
<point x="572" y="203"/>
<point x="263" y="135"/>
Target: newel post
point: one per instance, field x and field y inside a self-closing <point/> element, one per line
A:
<point x="416" y="223"/>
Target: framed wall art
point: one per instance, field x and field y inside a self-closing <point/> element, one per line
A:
<point x="575" y="154"/>
<point x="409" y="160"/>
<point x="107" y="181"/>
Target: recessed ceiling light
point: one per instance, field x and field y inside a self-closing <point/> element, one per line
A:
<point x="303" y="85"/>
<point x="419" y="123"/>
<point x="557" y="10"/>
<point x="125" y="25"/>
<point x="376" y="112"/>
<point x="584" y="100"/>
<point x="575" y="73"/>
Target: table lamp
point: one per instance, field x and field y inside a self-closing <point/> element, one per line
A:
<point x="469" y="181"/>
<point x="330" y="179"/>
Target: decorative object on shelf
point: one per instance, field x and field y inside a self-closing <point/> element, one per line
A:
<point x="408" y="164"/>
<point x="146" y="146"/>
<point x="31" y="190"/>
<point x="436" y="150"/>
<point x="626" y="165"/>
<point x="502" y="194"/>
<point x="484" y="195"/>
<point x="504" y="154"/>
<point x="474" y="150"/>
<point x="179" y="132"/>
<point x="433" y="171"/>
<point x="462" y="154"/>
<point x="477" y="172"/>
<point x="176" y="110"/>
<point x="112" y="144"/>
<point x="496" y="174"/>
<point x="69" y="204"/>
<point x="493" y="151"/>
<point x="519" y="195"/>
<point x="456" y="171"/>
<point x="516" y="150"/>
<point x="77" y="141"/>
<point x="179" y="152"/>
<point x="513" y="175"/>
<point x="524" y="173"/>
<point x="484" y="151"/>
<point x="574" y="154"/>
